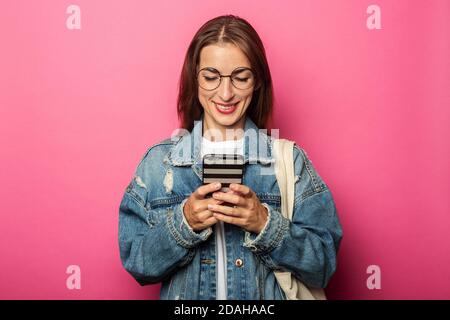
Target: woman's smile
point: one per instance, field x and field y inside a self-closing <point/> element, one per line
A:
<point x="226" y="108"/>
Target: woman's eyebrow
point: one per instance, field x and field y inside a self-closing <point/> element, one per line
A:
<point x="235" y="71"/>
<point x="239" y="70"/>
<point x="211" y="69"/>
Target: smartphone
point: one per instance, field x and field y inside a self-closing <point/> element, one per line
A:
<point x="223" y="168"/>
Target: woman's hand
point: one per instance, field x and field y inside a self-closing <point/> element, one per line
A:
<point x="195" y="209"/>
<point x="247" y="213"/>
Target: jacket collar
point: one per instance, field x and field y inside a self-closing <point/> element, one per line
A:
<point x="186" y="150"/>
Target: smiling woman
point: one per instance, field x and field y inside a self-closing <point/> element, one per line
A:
<point x="165" y="233"/>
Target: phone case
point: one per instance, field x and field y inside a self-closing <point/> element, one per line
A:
<point x="223" y="168"/>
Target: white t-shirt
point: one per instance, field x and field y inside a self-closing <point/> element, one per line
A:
<point x="228" y="147"/>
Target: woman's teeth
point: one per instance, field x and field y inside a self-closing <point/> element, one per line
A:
<point x="225" y="108"/>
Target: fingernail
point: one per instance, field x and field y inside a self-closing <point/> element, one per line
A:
<point x="210" y="206"/>
<point x="217" y="185"/>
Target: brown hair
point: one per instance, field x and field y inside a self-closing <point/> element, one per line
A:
<point x="226" y="29"/>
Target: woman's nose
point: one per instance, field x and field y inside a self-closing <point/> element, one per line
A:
<point x="226" y="89"/>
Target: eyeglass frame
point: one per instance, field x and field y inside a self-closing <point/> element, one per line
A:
<point x="226" y="76"/>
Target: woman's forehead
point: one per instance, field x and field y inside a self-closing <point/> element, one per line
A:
<point x="224" y="57"/>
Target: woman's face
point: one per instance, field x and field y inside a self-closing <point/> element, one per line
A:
<point x="225" y="58"/>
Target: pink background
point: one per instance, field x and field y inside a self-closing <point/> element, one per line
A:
<point x="80" y="107"/>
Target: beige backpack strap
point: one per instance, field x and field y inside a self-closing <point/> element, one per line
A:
<point x="284" y="170"/>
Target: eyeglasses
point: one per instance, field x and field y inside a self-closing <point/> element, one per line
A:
<point x="209" y="78"/>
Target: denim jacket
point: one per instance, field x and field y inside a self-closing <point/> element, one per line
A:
<point x="158" y="245"/>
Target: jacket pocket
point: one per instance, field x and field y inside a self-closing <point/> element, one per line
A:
<point x="273" y="200"/>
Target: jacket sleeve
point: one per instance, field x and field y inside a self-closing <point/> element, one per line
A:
<point x="153" y="242"/>
<point x="307" y="246"/>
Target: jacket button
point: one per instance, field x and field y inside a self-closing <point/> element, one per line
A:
<point x="238" y="263"/>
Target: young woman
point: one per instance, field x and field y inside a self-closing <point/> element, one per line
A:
<point x="203" y="242"/>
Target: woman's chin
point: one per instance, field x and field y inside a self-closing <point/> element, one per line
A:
<point x="226" y="121"/>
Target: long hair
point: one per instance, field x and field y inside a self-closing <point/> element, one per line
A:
<point x="237" y="31"/>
